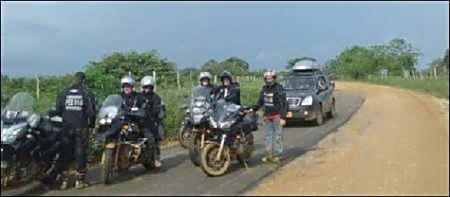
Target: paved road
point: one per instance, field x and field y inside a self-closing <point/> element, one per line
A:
<point x="179" y="177"/>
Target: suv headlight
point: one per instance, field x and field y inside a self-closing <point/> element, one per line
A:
<point x="308" y="100"/>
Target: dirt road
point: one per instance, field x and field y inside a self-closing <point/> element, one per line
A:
<point x="397" y="143"/>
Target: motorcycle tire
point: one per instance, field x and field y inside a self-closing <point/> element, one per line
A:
<point x="194" y="148"/>
<point x="107" y="166"/>
<point x="210" y="166"/>
<point x="183" y="136"/>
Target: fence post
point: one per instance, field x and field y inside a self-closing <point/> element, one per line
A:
<point x="154" y="78"/>
<point x="178" y="80"/>
<point x="190" y="78"/>
<point x="37" y="87"/>
<point x="435" y="72"/>
<point x="413" y="73"/>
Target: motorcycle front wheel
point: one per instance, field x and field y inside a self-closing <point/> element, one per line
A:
<point x="208" y="159"/>
<point x="107" y="167"/>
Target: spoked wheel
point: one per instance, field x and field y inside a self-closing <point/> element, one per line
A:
<point x="194" y="148"/>
<point x="184" y="135"/>
<point x="209" y="164"/>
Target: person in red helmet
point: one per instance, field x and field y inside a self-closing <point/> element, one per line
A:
<point x="273" y="99"/>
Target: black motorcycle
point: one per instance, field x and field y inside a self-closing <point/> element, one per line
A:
<point x="193" y="132"/>
<point x="124" y="142"/>
<point x="30" y="143"/>
<point x="230" y="138"/>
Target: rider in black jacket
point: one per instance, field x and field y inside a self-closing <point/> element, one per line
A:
<point x="129" y="96"/>
<point x="229" y="90"/>
<point x="151" y="103"/>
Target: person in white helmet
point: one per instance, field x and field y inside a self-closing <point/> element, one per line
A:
<point x="205" y="82"/>
<point x="129" y="95"/>
<point x="273" y="99"/>
<point x="151" y="103"/>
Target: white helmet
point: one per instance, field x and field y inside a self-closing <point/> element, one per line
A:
<point x="147" y="81"/>
<point x="204" y="75"/>
<point x="127" y="80"/>
<point x="270" y="72"/>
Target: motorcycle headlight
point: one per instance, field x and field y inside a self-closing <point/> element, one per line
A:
<point x="226" y="124"/>
<point x="9" y="134"/>
<point x="308" y="100"/>
<point x="33" y="120"/>
<point x="104" y="121"/>
<point x="213" y="123"/>
<point x="197" y="110"/>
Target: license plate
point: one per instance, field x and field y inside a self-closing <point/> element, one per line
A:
<point x="289" y="115"/>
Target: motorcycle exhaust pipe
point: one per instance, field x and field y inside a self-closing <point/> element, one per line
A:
<point x="222" y="142"/>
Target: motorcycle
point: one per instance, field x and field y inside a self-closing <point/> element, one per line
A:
<point x="230" y="138"/>
<point x="123" y="141"/>
<point x="194" y="128"/>
<point x="29" y="142"/>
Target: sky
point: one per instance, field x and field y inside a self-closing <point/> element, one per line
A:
<point x="53" y="38"/>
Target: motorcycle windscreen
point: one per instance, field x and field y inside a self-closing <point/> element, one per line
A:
<point x="200" y="103"/>
<point x="226" y="113"/>
<point x="21" y="105"/>
<point x="111" y="107"/>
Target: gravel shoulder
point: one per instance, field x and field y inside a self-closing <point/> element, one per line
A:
<point x="396" y="144"/>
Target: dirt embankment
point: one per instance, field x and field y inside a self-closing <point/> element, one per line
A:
<point x="397" y="144"/>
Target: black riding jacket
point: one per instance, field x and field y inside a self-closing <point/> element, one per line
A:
<point x="231" y="93"/>
<point x="273" y="99"/>
<point x="76" y="105"/>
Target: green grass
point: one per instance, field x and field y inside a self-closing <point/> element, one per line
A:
<point x="435" y="87"/>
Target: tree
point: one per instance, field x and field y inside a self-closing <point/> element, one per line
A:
<point x="105" y="74"/>
<point x="357" y="62"/>
<point x="235" y="65"/>
<point x="293" y="61"/>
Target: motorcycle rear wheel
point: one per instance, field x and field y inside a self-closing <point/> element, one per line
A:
<point x="184" y="135"/>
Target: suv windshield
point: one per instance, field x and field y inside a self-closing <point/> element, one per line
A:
<point x="295" y="83"/>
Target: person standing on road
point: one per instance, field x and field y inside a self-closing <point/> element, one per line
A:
<point x="273" y="99"/>
<point x="229" y="90"/>
<point x="76" y="104"/>
<point x="151" y="103"/>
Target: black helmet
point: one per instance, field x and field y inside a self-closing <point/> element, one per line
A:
<point x="226" y="74"/>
